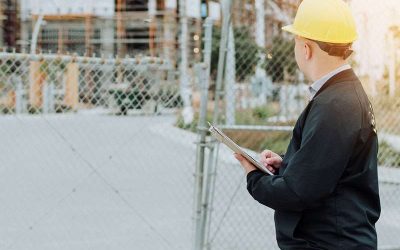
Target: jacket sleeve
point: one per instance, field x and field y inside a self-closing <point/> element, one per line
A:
<point x="313" y="172"/>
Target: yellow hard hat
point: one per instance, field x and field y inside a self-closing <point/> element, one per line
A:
<point x="327" y="21"/>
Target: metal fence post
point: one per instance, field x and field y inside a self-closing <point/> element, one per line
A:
<point x="206" y="175"/>
<point x="230" y="79"/>
<point x="200" y="205"/>
<point x="46" y="98"/>
<point x="51" y="93"/>
<point x="19" y="95"/>
<point x="204" y="197"/>
<point x="226" y="19"/>
<point x="200" y="161"/>
<point x="211" y="170"/>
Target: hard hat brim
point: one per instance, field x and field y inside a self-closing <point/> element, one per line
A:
<point x="291" y="29"/>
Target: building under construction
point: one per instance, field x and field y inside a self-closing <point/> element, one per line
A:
<point x="10" y="23"/>
<point x="131" y="27"/>
<point x="122" y="27"/>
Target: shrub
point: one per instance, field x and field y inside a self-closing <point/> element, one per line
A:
<point x="388" y="156"/>
<point x="246" y="52"/>
<point x="281" y="59"/>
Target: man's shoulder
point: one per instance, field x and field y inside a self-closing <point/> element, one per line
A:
<point x="340" y="103"/>
<point x="342" y="95"/>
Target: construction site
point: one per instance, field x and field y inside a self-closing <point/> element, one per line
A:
<point x="104" y="108"/>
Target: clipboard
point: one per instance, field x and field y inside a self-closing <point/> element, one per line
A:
<point x="223" y="138"/>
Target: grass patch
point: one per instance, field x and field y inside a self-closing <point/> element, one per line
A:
<point x="276" y="141"/>
<point x="388" y="156"/>
<point x="257" y="141"/>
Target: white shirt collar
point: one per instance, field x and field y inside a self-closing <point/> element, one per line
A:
<point x="317" y="85"/>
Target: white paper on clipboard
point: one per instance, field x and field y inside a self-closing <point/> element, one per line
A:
<point x="221" y="137"/>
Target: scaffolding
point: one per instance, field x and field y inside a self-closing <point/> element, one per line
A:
<point x="135" y="28"/>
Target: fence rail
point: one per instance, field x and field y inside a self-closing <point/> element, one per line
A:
<point x="85" y="173"/>
<point x="49" y="83"/>
<point x="259" y="94"/>
<point x="100" y="152"/>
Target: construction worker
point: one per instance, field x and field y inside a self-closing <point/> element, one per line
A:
<point x="325" y="188"/>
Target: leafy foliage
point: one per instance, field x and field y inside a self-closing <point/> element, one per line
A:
<point x="246" y="52"/>
<point x="281" y="59"/>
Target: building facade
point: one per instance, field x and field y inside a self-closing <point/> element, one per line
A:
<point x="10" y="23"/>
<point x="112" y="27"/>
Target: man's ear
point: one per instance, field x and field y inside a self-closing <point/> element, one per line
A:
<point x="307" y="51"/>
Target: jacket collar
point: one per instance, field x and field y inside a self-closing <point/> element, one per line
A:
<point x="317" y="85"/>
<point x="343" y="76"/>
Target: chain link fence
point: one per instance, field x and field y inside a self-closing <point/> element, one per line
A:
<point x="111" y="28"/>
<point x="97" y="153"/>
<point x="91" y="157"/>
<point x="93" y="154"/>
<point x="263" y="93"/>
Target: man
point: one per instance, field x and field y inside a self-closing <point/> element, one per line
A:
<point x="325" y="189"/>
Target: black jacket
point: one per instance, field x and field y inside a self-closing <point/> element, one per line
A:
<point x="326" y="193"/>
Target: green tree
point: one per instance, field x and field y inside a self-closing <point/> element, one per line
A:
<point x="246" y="52"/>
<point x="281" y="59"/>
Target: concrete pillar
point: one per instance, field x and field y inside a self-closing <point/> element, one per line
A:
<point x="107" y="37"/>
<point x="71" y="96"/>
<point x="260" y="40"/>
<point x="169" y="48"/>
<point x="10" y="103"/>
<point x="185" y="89"/>
<point x="260" y="23"/>
<point x="152" y="7"/>
<point x="36" y="80"/>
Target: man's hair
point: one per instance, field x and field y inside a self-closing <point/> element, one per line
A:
<point x="335" y="49"/>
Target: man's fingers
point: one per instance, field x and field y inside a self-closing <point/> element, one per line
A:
<point x="248" y="167"/>
<point x="270" y="168"/>
<point x="244" y="162"/>
<point x="266" y="154"/>
<point x="241" y="159"/>
<point x="238" y="157"/>
<point x="274" y="161"/>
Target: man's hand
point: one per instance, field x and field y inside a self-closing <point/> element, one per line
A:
<point x="248" y="166"/>
<point x="271" y="160"/>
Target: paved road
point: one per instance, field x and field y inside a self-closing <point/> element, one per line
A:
<point x="139" y="198"/>
<point x="105" y="182"/>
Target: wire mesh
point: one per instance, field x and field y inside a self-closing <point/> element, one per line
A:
<point x="95" y="153"/>
<point x="265" y="92"/>
<point x="92" y="157"/>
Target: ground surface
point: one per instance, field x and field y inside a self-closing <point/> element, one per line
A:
<point x="104" y="182"/>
